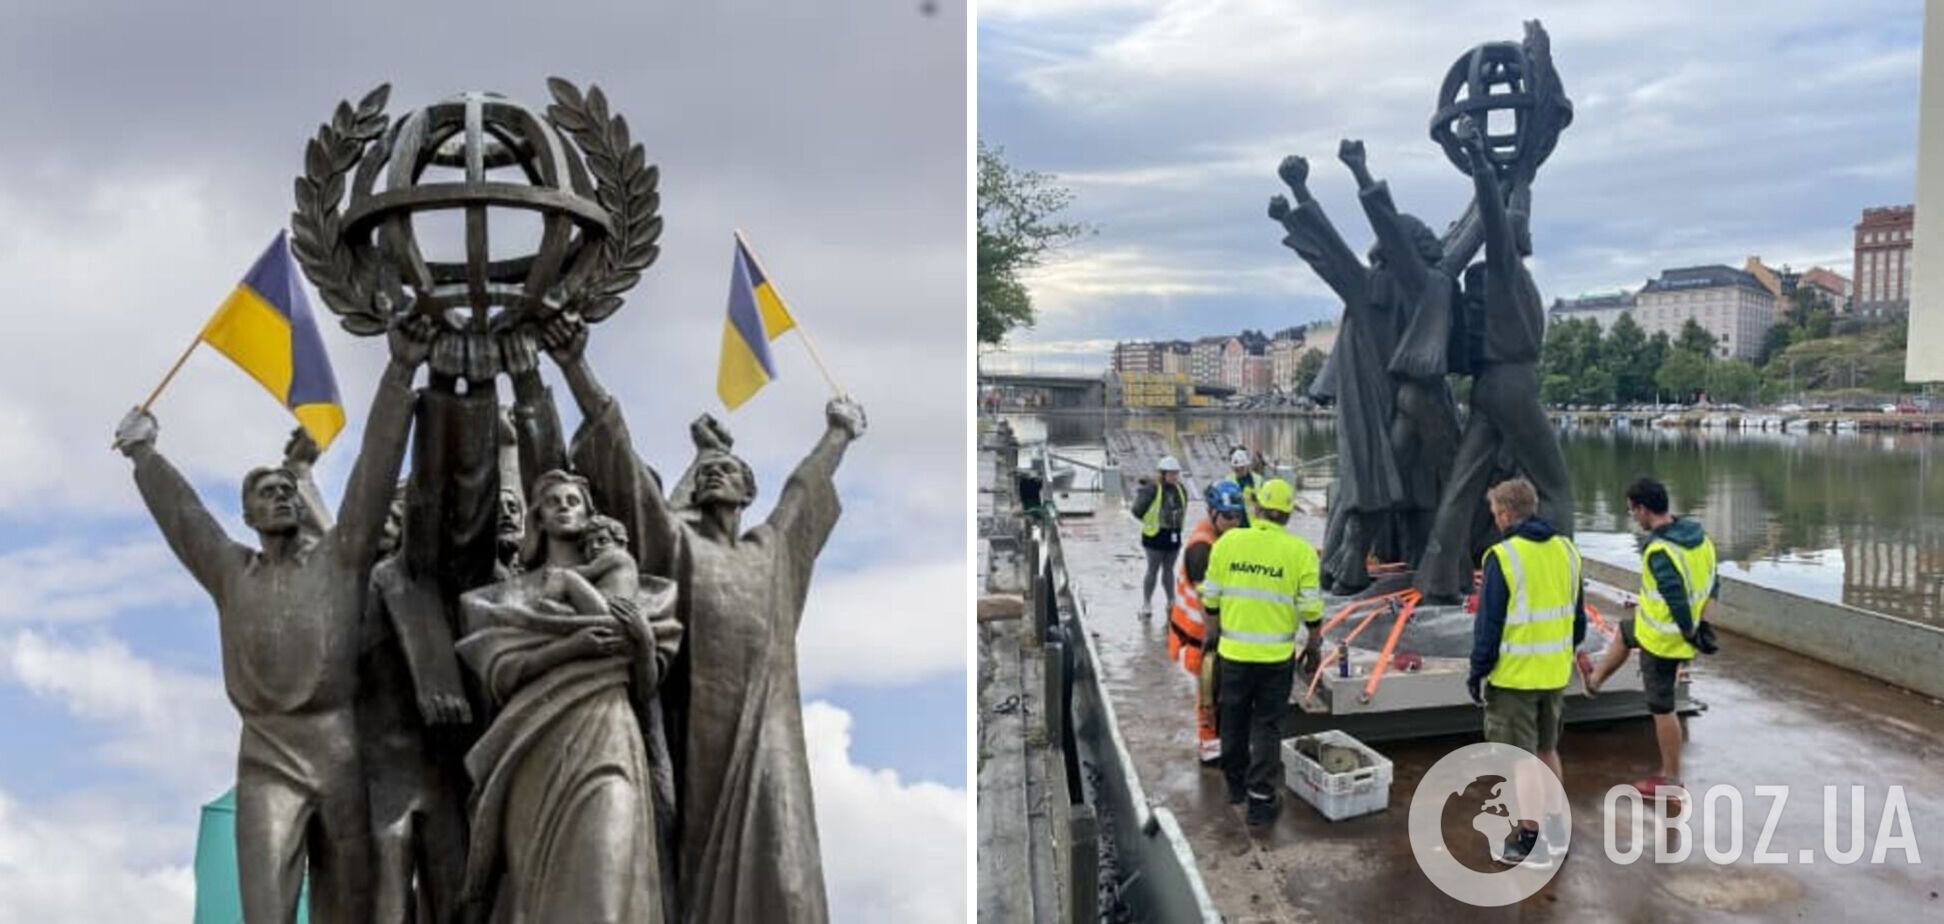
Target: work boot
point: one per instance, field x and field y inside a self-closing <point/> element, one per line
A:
<point x="1263" y="811"/>
<point x="1237" y="793"/>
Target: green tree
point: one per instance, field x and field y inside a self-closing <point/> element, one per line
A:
<point x="1626" y="353"/>
<point x="1018" y="228"/>
<point x="1733" y="381"/>
<point x="1695" y="339"/>
<point x="1778" y="338"/>
<point x="1556" y="389"/>
<point x="1684" y="373"/>
<point x="1594" y="387"/>
<point x="1307" y="367"/>
<point x="1816" y="324"/>
<point x="1658" y="349"/>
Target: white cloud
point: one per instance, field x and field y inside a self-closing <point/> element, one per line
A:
<point x="890" y="623"/>
<point x="175" y="727"/>
<point x="69" y="580"/>
<point x="892" y="851"/>
<point x="1167" y="120"/>
<point x="90" y="859"/>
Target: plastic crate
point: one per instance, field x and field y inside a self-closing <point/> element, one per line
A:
<point x="1338" y="795"/>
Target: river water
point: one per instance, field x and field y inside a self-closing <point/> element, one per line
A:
<point x="1856" y="518"/>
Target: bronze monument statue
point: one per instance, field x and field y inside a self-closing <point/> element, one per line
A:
<point x="1410" y="486"/>
<point x="289" y="613"/>
<point x="522" y="685"/>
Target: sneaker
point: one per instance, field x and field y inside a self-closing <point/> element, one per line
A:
<point x="1524" y="851"/>
<point x="1263" y="811"/>
<point x="1556" y="834"/>
<point x="1146" y="612"/>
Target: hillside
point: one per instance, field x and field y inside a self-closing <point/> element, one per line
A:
<point x="1858" y="356"/>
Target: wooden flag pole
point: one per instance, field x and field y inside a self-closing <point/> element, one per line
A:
<point x="171" y="374"/>
<point x="803" y="334"/>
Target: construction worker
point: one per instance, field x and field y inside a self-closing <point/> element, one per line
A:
<point x="1186" y="633"/>
<point x="1162" y="508"/>
<point x="1677" y="583"/>
<point x="1531" y="616"/>
<point x="1242" y="463"/>
<point x="1261" y="582"/>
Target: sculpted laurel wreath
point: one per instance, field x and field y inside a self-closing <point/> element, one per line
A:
<point x="346" y="283"/>
<point x="625" y="188"/>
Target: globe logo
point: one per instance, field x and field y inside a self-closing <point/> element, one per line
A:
<point x="1466" y="814"/>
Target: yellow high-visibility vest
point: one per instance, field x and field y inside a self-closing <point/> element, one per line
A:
<point x="1264" y="581"/>
<point x="1542" y="583"/>
<point x="1151" y="517"/>
<point x="1654" y="625"/>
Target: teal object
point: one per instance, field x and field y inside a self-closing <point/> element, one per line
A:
<point x="219" y="900"/>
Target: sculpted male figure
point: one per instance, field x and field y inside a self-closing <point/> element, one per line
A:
<point x="289" y="619"/>
<point x="1371" y="486"/>
<point x="1506" y="416"/>
<point x="749" y="833"/>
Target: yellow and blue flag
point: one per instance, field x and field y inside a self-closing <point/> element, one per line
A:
<point x="757" y="316"/>
<point x="266" y="327"/>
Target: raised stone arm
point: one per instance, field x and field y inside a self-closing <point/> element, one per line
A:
<point x="300" y="457"/>
<point x="538" y="435"/>
<point x="807" y="509"/>
<point x="368" y="492"/>
<point x="1393" y="240"/>
<point x="1501" y="239"/>
<point x="1315" y="239"/>
<point x="195" y="537"/>
<point x="603" y="453"/>
<point x="1351" y="152"/>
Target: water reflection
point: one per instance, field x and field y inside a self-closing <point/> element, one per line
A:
<point x="1856" y="518"/>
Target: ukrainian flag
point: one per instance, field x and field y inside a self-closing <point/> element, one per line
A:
<point x="266" y="327"/>
<point x="756" y="317"/>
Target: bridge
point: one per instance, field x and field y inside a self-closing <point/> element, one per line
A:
<point x="1064" y="392"/>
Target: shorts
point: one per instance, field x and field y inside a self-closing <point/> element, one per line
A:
<point x="1657" y="674"/>
<point x="1529" y="719"/>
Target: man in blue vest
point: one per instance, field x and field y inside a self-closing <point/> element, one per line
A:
<point x="1677" y="581"/>
<point x="1162" y="508"/>
<point x="1531" y="617"/>
<point x="1262" y="581"/>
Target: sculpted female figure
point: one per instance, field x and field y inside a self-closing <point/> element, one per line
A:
<point x="563" y="808"/>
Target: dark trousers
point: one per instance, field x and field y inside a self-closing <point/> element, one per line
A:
<point x="1253" y="699"/>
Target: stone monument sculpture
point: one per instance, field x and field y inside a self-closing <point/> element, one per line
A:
<point x="1410" y="484"/>
<point x="289" y="613"/>
<point x="748" y="840"/>
<point x="473" y="697"/>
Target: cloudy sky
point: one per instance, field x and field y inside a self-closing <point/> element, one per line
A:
<point x="1703" y="133"/>
<point x="151" y="157"/>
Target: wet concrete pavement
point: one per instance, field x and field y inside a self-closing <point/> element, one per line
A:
<point x="1775" y="719"/>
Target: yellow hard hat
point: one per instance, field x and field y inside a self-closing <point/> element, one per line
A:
<point x="1276" y="494"/>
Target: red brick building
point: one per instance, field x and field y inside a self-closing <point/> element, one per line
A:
<point x="1882" y="272"/>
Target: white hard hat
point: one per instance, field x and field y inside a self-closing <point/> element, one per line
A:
<point x="1167" y="464"/>
<point x="1239" y="457"/>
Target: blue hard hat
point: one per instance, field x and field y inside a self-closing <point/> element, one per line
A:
<point x="1225" y="497"/>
